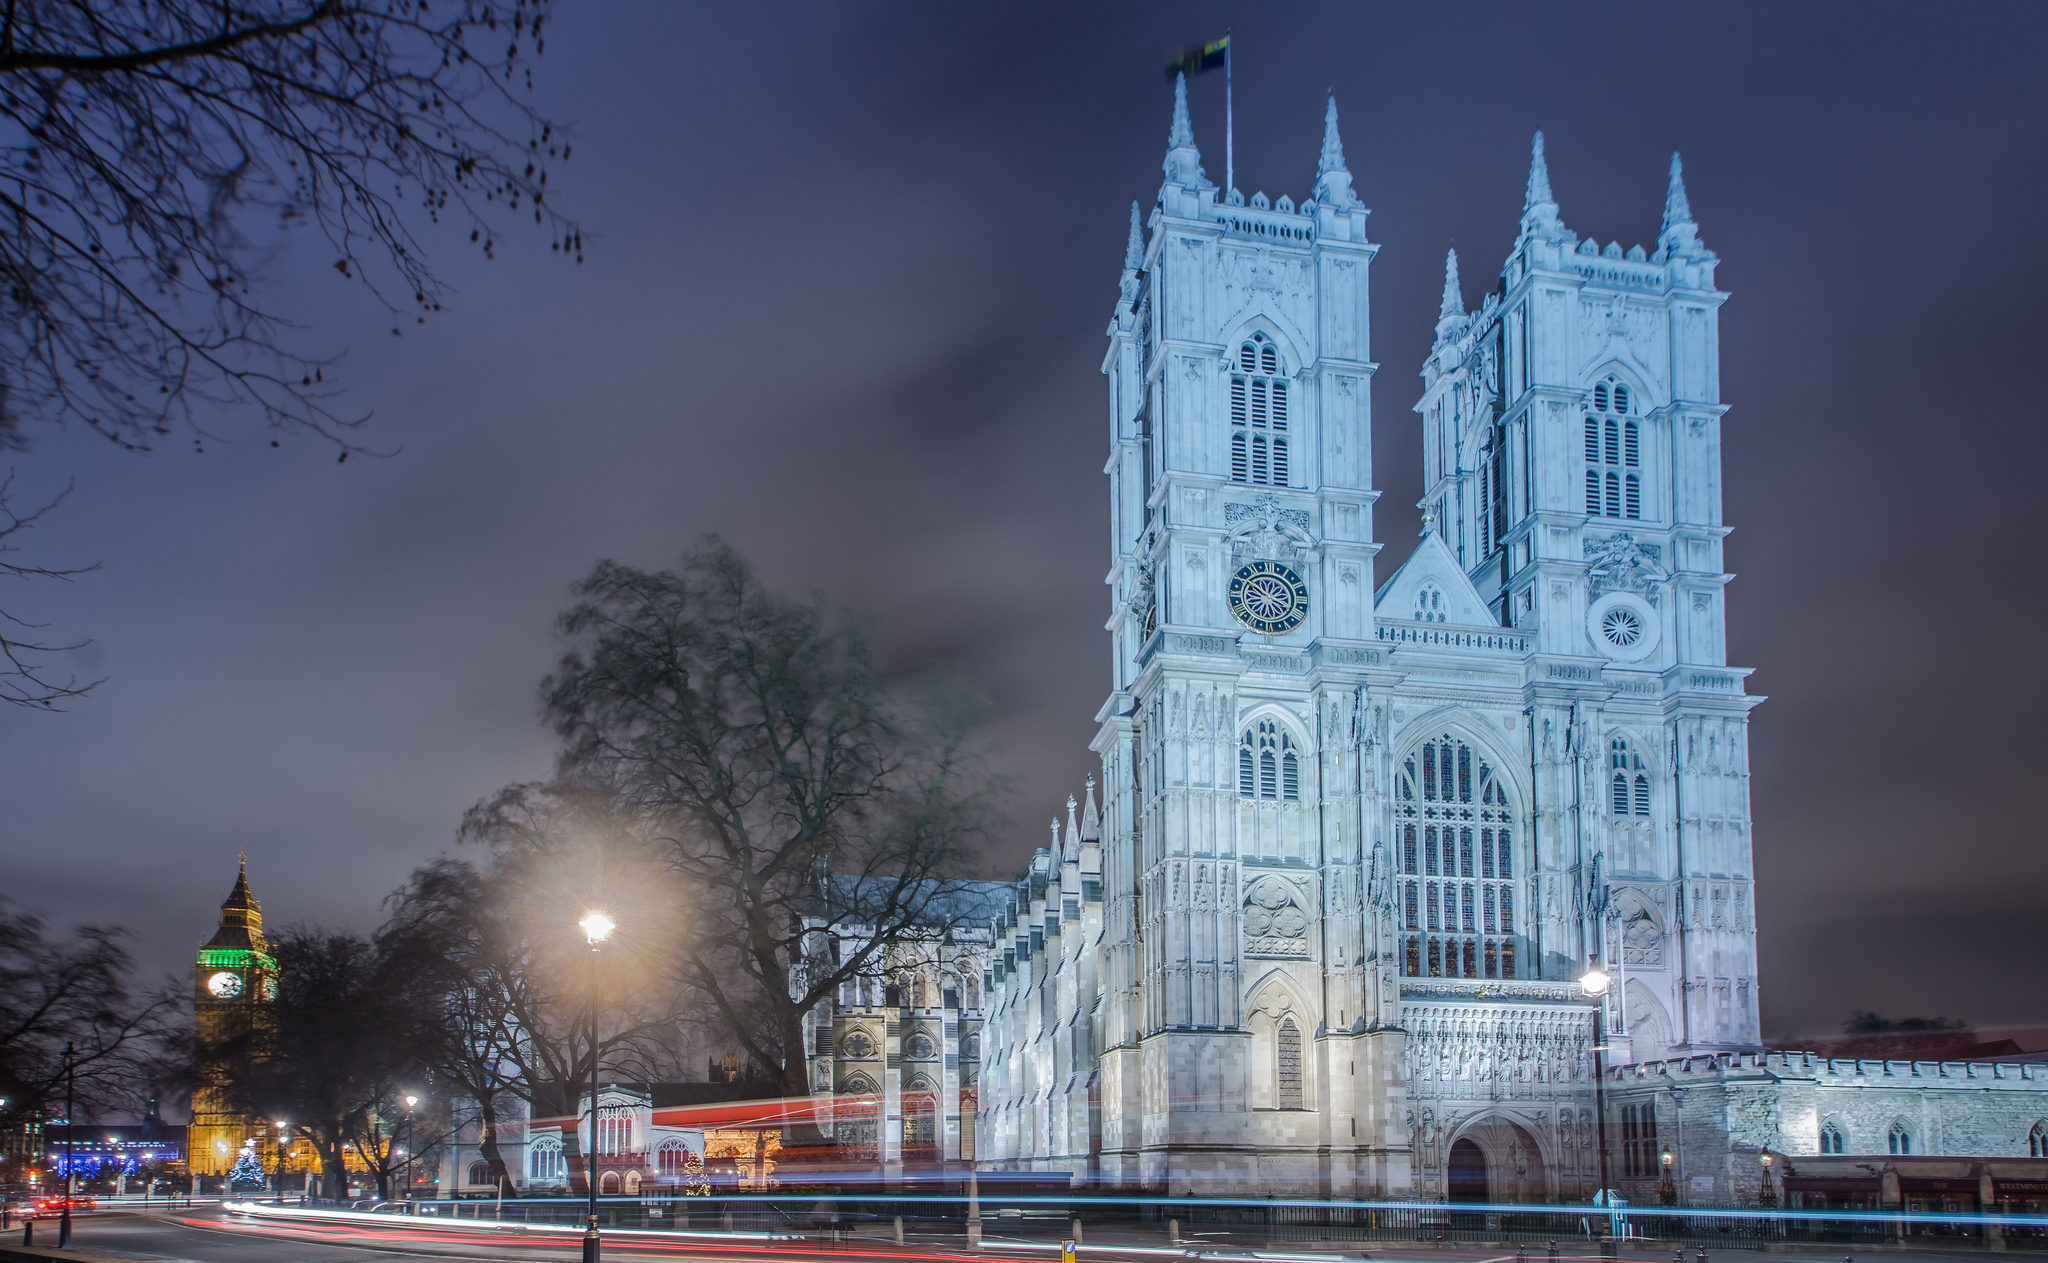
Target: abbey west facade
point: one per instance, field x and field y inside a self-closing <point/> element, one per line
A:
<point x="1360" y="837"/>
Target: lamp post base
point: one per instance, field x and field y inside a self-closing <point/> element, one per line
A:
<point x="590" y="1242"/>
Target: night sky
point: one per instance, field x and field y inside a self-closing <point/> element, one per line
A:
<point x="848" y="273"/>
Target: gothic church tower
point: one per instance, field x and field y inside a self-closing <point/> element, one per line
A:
<point x="1241" y="571"/>
<point x="1572" y="464"/>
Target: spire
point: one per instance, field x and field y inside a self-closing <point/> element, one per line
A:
<point x="1134" y="261"/>
<point x="1539" y="179"/>
<point x="1451" y="315"/>
<point x="1183" y="163"/>
<point x="1333" y="180"/>
<point x="1676" y="209"/>
<point x="1072" y="849"/>
<point x="1680" y="236"/>
<point x="241" y="916"/>
<point x="1539" y="207"/>
<point x="1091" y="820"/>
<point x="1055" y="835"/>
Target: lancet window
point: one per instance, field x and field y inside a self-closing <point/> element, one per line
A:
<point x="1258" y="415"/>
<point x="1639" y="1140"/>
<point x="1899" y="1139"/>
<point x="2037" y="1141"/>
<point x="1268" y="764"/>
<point x="1831" y="1138"/>
<point x="1458" y="861"/>
<point x="1628" y="785"/>
<point x="1614" y="458"/>
<point x="1287" y="1064"/>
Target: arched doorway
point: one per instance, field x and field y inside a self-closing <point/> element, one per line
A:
<point x="1467" y="1173"/>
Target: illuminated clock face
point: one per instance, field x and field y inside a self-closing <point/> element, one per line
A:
<point x="270" y="988"/>
<point x="224" y="985"/>
<point x="1268" y="598"/>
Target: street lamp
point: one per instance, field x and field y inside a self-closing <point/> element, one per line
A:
<point x="1667" y="1192"/>
<point x="1594" y="982"/>
<point x="1765" y="1194"/>
<point x="284" y="1130"/>
<point x="596" y="928"/>
<point x="70" y="1150"/>
<point x="410" y="1144"/>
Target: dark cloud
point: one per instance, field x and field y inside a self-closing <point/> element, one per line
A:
<point x="848" y="273"/>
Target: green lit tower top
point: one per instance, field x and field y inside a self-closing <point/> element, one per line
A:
<point x="235" y="968"/>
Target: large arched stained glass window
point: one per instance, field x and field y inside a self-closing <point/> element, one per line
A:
<point x="1457" y="852"/>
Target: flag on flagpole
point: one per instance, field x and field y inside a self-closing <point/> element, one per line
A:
<point x="1193" y="60"/>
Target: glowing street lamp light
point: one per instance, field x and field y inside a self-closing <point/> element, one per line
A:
<point x="1595" y="980"/>
<point x="597" y="927"/>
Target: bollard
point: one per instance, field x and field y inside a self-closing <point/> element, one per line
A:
<point x="1074" y="1230"/>
<point x="28" y="1232"/>
<point x="1521" y="1254"/>
<point x="899" y="1230"/>
<point x="1173" y="1232"/>
<point x="1553" y="1252"/>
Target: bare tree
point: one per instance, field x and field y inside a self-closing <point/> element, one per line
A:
<point x="26" y="677"/>
<point x="148" y="146"/>
<point x="744" y="734"/>
<point x="152" y="152"/>
<point x="343" y="1039"/>
<point x="79" y="995"/>
<point x="498" y="952"/>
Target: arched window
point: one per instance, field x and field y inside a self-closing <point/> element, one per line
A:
<point x="1268" y="765"/>
<point x="1630" y="784"/>
<point x="2037" y="1141"/>
<point x="1287" y="1064"/>
<point x="544" y="1160"/>
<point x="1614" y="455"/>
<point x="615" y="1130"/>
<point x="1831" y="1138"/>
<point x="1457" y="855"/>
<point x="479" y="1173"/>
<point x="668" y="1160"/>
<point x="1258" y="416"/>
<point x="1429" y="604"/>
<point x="1899" y="1140"/>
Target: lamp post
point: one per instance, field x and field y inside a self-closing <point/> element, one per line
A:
<point x="1766" y="1196"/>
<point x="284" y="1132"/>
<point x="70" y="1151"/>
<point x="1667" y="1192"/>
<point x="1594" y="982"/>
<point x="596" y="928"/>
<point x="405" y="1179"/>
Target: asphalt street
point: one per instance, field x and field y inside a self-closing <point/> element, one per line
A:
<point x="206" y="1235"/>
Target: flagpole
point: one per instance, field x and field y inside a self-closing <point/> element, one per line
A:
<point x="1229" y="125"/>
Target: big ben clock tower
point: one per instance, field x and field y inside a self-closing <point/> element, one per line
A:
<point x="234" y="982"/>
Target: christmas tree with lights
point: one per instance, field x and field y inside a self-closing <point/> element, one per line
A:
<point x="247" y="1171"/>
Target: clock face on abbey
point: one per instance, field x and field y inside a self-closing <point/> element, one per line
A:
<point x="1268" y="597"/>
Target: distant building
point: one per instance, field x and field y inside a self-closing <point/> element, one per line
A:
<point x="234" y="985"/>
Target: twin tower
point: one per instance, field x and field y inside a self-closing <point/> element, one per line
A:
<point x="1360" y="838"/>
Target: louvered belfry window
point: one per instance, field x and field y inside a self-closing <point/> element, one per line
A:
<point x="1268" y="765"/>
<point x="1614" y="454"/>
<point x="1457" y="853"/>
<point x="1258" y="416"/>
